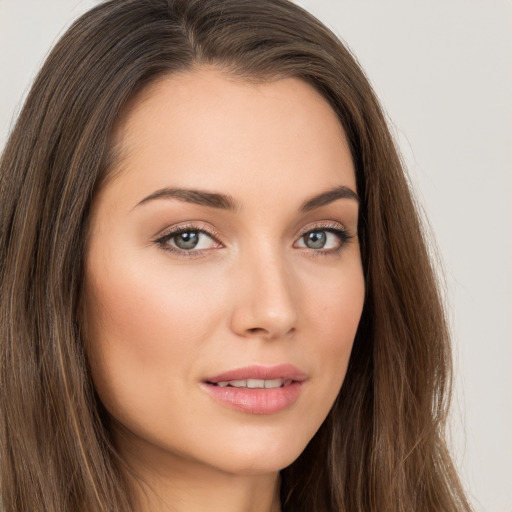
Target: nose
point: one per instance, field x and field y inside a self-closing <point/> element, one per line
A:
<point x="265" y="298"/>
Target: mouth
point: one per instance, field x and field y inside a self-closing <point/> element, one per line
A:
<point x="257" y="389"/>
<point x="253" y="383"/>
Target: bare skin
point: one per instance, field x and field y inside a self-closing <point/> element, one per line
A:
<point x="262" y="276"/>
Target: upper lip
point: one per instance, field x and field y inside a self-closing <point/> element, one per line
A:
<point x="280" y="371"/>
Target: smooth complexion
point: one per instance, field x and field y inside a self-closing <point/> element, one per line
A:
<point x="265" y="272"/>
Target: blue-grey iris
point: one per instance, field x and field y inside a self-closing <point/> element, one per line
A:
<point x="187" y="240"/>
<point x="315" y="239"/>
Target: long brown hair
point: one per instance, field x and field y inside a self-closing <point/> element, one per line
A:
<point x="381" y="447"/>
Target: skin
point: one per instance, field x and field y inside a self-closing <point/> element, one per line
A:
<point x="160" y="322"/>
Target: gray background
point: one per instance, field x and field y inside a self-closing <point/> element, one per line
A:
<point x="443" y="71"/>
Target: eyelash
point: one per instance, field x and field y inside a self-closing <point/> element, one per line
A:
<point x="162" y="241"/>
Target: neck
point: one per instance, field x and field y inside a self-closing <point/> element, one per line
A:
<point x="172" y="483"/>
<point x="215" y="494"/>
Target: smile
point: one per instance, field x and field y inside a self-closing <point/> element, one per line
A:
<point x="254" y="383"/>
<point x="257" y="389"/>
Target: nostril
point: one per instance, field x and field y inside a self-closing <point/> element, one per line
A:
<point x="263" y="312"/>
<point x="258" y="330"/>
<point x="268" y="333"/>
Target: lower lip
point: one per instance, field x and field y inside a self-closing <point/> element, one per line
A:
<point x="256" y="401"/>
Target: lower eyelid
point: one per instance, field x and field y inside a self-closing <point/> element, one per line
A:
<point x="164" y="240"/>
<point x="169" y="236"/>
<point x="341" y="233"/>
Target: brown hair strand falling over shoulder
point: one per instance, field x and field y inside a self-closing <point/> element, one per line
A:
<point x="381" y="447"/>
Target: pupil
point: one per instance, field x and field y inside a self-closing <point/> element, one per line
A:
<point x="187" y="240"/>
<point x="315" y="239"/>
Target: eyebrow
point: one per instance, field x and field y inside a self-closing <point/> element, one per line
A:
<point x="201" y="197"/>
<point x="227" y="202"/>
<point x="328" y="197"/>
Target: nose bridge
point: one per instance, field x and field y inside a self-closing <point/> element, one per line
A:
<point x="265" y="303"/>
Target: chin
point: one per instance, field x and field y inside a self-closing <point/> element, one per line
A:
<point x="260" y="464"/>
<point x="253" y="456"/>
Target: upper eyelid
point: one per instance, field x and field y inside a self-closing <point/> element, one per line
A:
<point x="163" y="238"/>
<point x="332" y="226"/>
<point x="203" y="228"/>
<point x="323" y="225"/>
<point x="169" y="233"/>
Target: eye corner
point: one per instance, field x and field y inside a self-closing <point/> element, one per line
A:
<point x="330" y="230"/>
<point x="192" y="251"/>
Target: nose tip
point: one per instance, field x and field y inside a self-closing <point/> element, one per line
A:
<point x="275" y="325"/>
<point x="265" y="304"/>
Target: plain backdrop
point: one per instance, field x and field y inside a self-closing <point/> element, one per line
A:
<point x="443" y="71"/>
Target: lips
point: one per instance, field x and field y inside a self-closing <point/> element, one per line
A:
<point x="257" y="389"/>
<point x="281" y="371"/>
<point x="254" y="383"/>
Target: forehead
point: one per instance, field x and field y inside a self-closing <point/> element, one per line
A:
<point x="207" y="127"/>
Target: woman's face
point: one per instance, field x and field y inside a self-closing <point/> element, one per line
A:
<point x="223" y="274"/>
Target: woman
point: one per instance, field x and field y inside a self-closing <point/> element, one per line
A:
<point x="215" y="290"/>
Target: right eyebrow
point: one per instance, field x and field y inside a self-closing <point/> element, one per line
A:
<point x="201" y="197"/>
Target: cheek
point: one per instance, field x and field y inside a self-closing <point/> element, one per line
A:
<point x="335" y="318"/>
<point x="341" y="312"/>
<point x="144" y="329"/>
<point x="142" y="303"/>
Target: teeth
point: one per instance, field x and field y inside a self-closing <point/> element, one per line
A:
<point x="276" y="383"/>
<point x="254" y="383"/>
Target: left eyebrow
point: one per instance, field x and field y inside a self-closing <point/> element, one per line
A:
<point x="329" y="197"/>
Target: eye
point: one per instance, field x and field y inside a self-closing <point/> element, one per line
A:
<point x="319" y="239"/>
<point x="324" y="239"/>
<point x="187" y="239"/>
